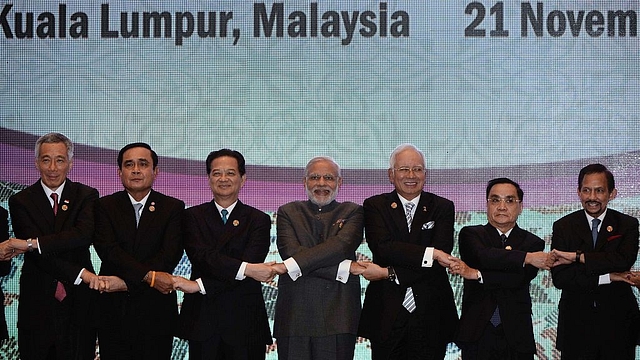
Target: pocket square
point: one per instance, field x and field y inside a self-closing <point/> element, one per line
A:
<point x="611" y="238"/>
<point x="428" y="225"/>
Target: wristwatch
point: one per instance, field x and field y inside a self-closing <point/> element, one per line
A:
<point x="392" y="274"/>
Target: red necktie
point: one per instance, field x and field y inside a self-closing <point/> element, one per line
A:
<point x="54" y="196"/>
<point x="61" y="293"/>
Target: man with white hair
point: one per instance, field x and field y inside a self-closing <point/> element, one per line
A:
<point x="318" y="303"/>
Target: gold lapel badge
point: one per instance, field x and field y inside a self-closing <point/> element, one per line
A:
<point x="64" y="207"/>
<point x="609" y="228"/>
<point x="394" y="205"/>
<point x="152" y="207"/>
<point x="508" y="247"/>
<point x="236" y="222"/>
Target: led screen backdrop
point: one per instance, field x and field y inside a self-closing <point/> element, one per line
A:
<point x="528" y="90"/>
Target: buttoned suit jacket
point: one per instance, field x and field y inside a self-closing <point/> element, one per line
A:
<point x="616" y="310"/>
<point x="391" y="243"/>
<point x="316" y="304"/>
<point x="64" y="240"/>
<point x="505" y="283"/>
<point x="232" y="309"/>
<point x="129" y="253"/>
<point x="5" y="269"/>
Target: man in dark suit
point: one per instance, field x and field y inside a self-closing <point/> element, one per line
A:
<point x="138" y="239"/>
<point x="499" y="260"/>
<point x="408" y="311"/>
<point x="597" y="313"/>
<point x="223" y="313"/>
<point x="5" y="269"/>
<point x="318" y="305"/>
<point x="55" y="216"/>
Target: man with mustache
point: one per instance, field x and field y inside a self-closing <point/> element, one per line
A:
<point x="318" y="303"/>
<point x="592" y="246"/>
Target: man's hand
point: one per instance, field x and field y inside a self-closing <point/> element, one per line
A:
<point x="443" y="258"/>
<point x="459" y="267"/>
<point x="185" y="285"/>
<point x="13" y="247"/>
<point x="356" y="268"/>
<point x="261" y="272"/>
<point x="162" y="282"/>
<point x="91" y="279"/>
<point x="373" y="271"/>
<point x="624" y="277"/>
<point x="111" y="284"/>
<point x="563" y="257"/>
<point x="540" y="259"/>
<point x="280" y="268"/>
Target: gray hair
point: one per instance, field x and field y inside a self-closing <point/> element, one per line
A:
<point x="402" y="147"/>
<point x="54" y="138"/>
<point x="321" y="158"/>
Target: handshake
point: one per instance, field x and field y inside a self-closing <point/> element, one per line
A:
<point x="13" y="247"/>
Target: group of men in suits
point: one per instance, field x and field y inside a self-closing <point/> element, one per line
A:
<point x="408" y="312"/>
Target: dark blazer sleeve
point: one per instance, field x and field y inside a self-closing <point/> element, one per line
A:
<point x="390" y="241"/>
<point x="5" y="266"/>
<point x="615" y="250"/>
<point x="204" y="243"/>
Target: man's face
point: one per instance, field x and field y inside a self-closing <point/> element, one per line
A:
<point x="408" y="174"/>
<point x="53" y="164"/>
<point x="137" y="173"/>
<point x="594" y="194"/>
<point x="503" y="206"/>
<point x="322" y="182"/>
<point x="224" y="179"/>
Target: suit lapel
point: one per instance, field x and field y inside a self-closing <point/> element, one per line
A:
<point x="494" y="236"/>
<point x="66" y="204"/>
<point x="398" y="215"/>
<point x="41" y="203"/>
<point x="583" y="231"/>
<point x="223" y="232"/>
<point x="609" y="222"/>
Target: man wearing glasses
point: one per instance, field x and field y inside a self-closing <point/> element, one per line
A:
<point x="499" y="261"/>
<point x="408" y="311"/>
<point x="318" y="303"/>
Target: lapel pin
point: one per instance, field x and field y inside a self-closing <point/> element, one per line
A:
<point x="152" y="208"/>
<point x="236" y="222"/>
<point x="64" y="207"/>
<point x="394" y="205"/>
<point x="508" y="247"/>
<point x="609" y="228"/>
<point x="424" y="208"/>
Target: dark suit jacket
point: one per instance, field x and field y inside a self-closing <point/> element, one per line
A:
<point x="64" y="241"/>
<point x="232" y="309"/>
<point x="129" y="253"/>
<point x="392" y="245"/>
<point x="613" y="306"/>
<point x="505" y="284"/>
<point x="5" y="269"/>
<point x="316" y="304"/>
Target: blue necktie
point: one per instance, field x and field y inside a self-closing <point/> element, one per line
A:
<point x="594" y="230"/>
<point x="224" y="213"/>
<point x="136" y="208"/>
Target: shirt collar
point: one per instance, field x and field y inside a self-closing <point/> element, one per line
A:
<point x="143" y="201"/>
<point x="229" y="208"/>
<point x="48" y="191"/>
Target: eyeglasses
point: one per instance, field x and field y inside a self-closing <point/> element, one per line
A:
<point x="509" y="200"/>
<point x="405" y="170"/>
<point x="326" y="177"/>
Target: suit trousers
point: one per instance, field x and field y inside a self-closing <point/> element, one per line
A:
<point x="331" y="347"/>
<point x="216" y="349"/>
<point x="492" y="346"/>
<point x="409" y="339"/>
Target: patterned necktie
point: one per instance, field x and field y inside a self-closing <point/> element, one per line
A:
<point x="136" y="208"/>
<point x="409" y="301"/>
<point x="594" y="230"/>
<point x="54" y="196"/>
<point x="409" y="214"/>
<point x="224" y="213"/>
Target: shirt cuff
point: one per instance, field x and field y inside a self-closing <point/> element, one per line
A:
<point x="201" y="286"/>
<point x="604" y="279"/>
<point x="343" y="271"/>
<point x="427" y="259"/>
<point x="240" y="274"/>
<point x="79" y="278"/>
<point x="293" y="269"/>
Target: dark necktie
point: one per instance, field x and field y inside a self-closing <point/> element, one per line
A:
<point x="54" y="196"/>
<point x="495" y="318"/>
<point x="594" y="230"/>
<point x="224" y="213"/>
<point x="61" y="293"/>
